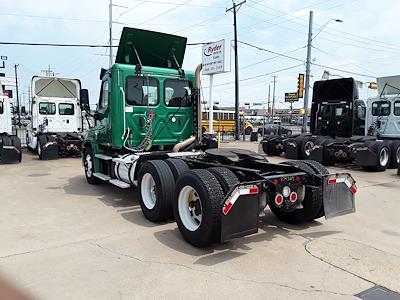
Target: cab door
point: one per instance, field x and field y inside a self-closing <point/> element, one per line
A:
<point x="102" y="116"/>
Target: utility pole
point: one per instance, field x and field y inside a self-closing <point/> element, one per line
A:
<point x="273" y="96"/>
<point x="235" y="8"/>
<point x="308" y="65"/>
<point x="16" y="91"/>
<point x="269" y="98"/>
<point x="49" y="72"/>
<point x="110" y="32"/>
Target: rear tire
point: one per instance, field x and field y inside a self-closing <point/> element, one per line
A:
<point x="226" y="178"/>
<point x="197" y="207"/>
<point x="41" y="141"/>
<point x="312" y="203"/>
<point x="177" y="166"/>
<point x="156" y="190"/>
<point x="383" y="152"/>
<point x="395" y="155"/>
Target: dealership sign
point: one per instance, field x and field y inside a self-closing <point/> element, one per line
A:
<point x="7" y="81"/>
<point x="214" y="58"/>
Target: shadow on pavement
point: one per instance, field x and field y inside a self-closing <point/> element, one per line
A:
<point x="269" y="228"/>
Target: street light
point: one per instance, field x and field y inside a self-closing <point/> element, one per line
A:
<point x="308" y="64"/>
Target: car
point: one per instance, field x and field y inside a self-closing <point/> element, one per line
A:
<point x="271" y="129"/>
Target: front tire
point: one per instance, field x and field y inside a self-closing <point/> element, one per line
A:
<point x="197" y="207"/>
<point x="156" y="190"/>
<point x="88" y="162"/>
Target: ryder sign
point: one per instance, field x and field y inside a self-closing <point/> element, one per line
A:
<point x="214" y="58"/>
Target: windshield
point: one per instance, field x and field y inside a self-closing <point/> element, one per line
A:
<point x="381" y="108"/>
<point x="47" y="108"/>
<point x="66" y="109"/>
<point x="142" y="91"/>
<point x="177" y="93"/>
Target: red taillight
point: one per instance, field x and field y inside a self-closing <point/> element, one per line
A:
<point x="278" y="199"/>
<point x="332" y="181"/>
<point x="353" y="189"/>
<point x="293" y="197"/>
<point x="276" y="181"/>
<point x="253" y="190"/>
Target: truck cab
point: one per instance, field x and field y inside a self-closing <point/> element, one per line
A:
<point x="336" y="110"/>
<point x="147" y="102"/>
<point x="10" y="145"/>
<point x="5" y="115"/>
<point x="56" y="117"/>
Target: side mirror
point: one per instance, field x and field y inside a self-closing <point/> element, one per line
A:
<point x="23" y="111"/>
<point x="84" y="98"/>
<point x="98" y="116"/>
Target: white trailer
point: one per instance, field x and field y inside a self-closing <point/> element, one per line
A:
<point x="10" y="145"/>
<point x="57" y="122"/>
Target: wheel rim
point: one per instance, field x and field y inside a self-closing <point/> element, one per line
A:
<point x="88" y="165"/>
<point x="308" y="147"/>
<point x="384" y="157"/>
<point x="189" y="208"/>
<point x="148" y="191"/>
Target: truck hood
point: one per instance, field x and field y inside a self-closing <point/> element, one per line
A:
<point x="155" y="49"/>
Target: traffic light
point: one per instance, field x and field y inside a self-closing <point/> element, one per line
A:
<point x="300" y="85"/>
<point x="373" y="86"/>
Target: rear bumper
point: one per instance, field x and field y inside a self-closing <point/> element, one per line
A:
<point x="240" y="211"/>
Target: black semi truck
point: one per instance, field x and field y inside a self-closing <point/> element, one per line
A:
<point x="344" y="129"/>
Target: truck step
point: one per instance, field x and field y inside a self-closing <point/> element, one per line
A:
<point x="103" y="156"/>
<point x="122" y="161"/>
<point x="119" y="183"/>
<point x="102" y="176"/>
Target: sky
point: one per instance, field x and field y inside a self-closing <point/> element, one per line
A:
<point x="365" y="45"/>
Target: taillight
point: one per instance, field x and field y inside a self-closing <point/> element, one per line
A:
<point x="293" y="197"/>
<point x="278" y="199"/>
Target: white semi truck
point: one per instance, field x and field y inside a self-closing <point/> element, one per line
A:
<point x="57" y="121"/>
<point x="10" y="145"/>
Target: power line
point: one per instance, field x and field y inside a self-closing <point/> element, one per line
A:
<point x="76" y="45"/>
<point x="175" y="3"/>
<point x="298" y="59"/>
<point x="53" y="18"/>
<point x="258" y="76"/>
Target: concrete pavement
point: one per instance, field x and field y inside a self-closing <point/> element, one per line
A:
<point x="62" y="238"/>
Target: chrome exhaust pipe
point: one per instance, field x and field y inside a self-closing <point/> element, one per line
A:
<point x="197" y="87"/>
<point x="183" y="144"/>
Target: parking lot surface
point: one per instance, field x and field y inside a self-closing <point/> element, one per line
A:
<point x="62" y="238"/>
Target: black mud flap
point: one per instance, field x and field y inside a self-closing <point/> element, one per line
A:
<point x="291" y="151"/>
<point x="9" y="155"/>
<point x="338" y="195"/>
<point x="366" y="157"/>
<point x="240" y="212"/>
<point x="50" y="151"/>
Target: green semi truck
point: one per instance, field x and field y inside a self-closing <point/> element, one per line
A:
<point x="148" y="135"/>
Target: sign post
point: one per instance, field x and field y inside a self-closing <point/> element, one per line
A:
<point x="213" y="59"/>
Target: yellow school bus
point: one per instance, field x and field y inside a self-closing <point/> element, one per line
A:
<point x="224" y="121"/>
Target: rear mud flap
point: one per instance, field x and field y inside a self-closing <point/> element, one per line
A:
<point x="292" y="151"/>
<point x="366" y="157"/>
<point x="317" y="154"/>
<point x="338" y="195"/>
<point x="9" y="155"/>
<point x="50" y="151"/>
<point x="240" y="212"/>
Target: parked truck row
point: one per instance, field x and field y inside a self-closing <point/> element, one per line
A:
<point x="345" y="129"/>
